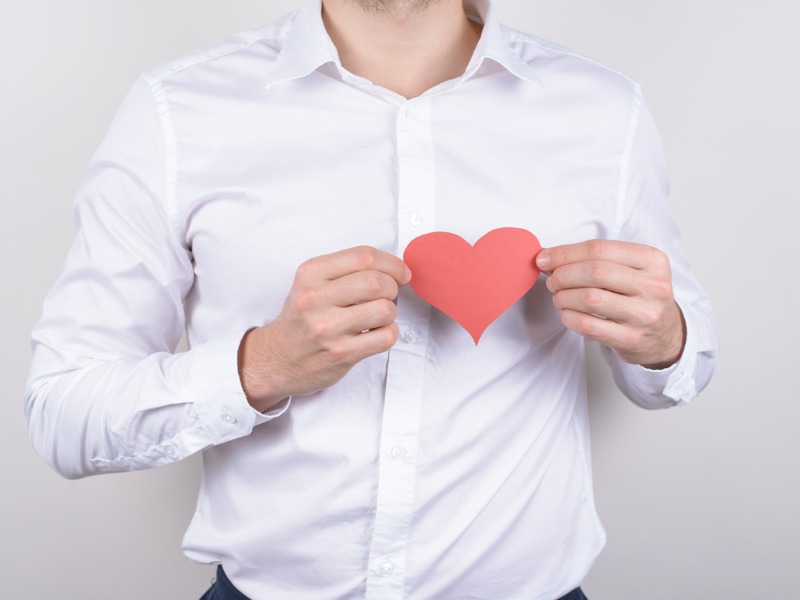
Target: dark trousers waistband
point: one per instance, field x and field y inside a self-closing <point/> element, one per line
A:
<point x="223" y="589"/>
<point x="575" y="594"/>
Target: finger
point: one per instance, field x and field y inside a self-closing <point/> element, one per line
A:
<point x="363" y="286"/>
<point x="368" y="316"/>
<point x="595" y="274"/>
<point x="336" y="323"/>
<point x="605" y="304"/>
<point x="374" y="341"/>
<point x="606" y="331"/>
<point x="353" y="260"/>
<point x="635" y="256"/>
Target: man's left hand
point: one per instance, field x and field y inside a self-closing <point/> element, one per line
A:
<point x="620" y="294"/>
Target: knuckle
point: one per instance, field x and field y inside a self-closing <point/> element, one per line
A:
<point x="372" y="284"/>
<point x="305" y="270"/>
<point x="338" y="354"/>
<point x="662" y="289"/>
<point x="599" y="271"/>
<point x="306" y="300"/>
<point x="659" y="259"/>
<point x="598" y="250"/>
<point x="651" y="317"/>
<point x="366" y="257"/>
<point x="319" y="329"/>
<point x="386" y="311"/>
<point x="389" y="336"/>
<point x="594" y="300"/>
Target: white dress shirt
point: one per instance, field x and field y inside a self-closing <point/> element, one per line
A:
<point x="437" y="470"/>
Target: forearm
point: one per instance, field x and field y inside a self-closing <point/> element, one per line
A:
<point x="129" y="414"/>
<point x="676" y="384"/>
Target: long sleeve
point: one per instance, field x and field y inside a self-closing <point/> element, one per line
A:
<point x="643" y="217"/>
<point x="106" y="391"/>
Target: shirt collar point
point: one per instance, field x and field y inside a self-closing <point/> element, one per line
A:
<point x="495" y="45"/>
<point x="306" y="47"/>
<point x="513" y="65"/>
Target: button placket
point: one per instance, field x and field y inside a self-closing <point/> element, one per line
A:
<point x="398" y="452"/>
<point x="416" y="171"/>
<point x="410" y="336"/>
<point x="386" y="569"/>
<point x="397" y="470"/>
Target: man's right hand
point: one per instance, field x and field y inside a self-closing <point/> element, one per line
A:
<point x="339" y="311"/>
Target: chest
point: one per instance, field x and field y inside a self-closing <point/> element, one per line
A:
<point x="267" y="186"/>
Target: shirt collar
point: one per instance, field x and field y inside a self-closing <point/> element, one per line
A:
<point x="307" y="46"/>
<point x="495" y="45"/>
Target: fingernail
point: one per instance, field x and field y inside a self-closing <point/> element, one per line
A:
<point x="408" y="274"/>
<point x="543" y="260"/>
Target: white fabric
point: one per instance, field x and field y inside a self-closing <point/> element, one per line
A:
<point x="438" y="470"/>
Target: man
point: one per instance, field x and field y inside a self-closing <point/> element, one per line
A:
<point x="357" y="442"/>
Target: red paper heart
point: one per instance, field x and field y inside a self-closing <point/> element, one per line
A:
<point x="473" y="285"/>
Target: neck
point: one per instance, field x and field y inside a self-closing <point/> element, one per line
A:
<point x="402" y="45"/>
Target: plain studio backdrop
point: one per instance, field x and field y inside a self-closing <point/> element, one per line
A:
<point x="699" y="502"/>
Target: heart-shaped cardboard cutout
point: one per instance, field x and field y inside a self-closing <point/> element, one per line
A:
<point x="473" y="285"/>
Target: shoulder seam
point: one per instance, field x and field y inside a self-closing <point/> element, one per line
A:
<point x="517" y="36"/>
<point x="223" y="48"/>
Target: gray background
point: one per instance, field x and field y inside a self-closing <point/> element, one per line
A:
<point x="699" y="502"/>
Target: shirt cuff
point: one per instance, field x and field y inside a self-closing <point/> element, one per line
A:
<point x="675" y="385"/>
<point x="219" y="402"/>
<point x="681" y="385"/>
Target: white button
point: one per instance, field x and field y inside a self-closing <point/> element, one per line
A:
<point x="171" y="451"/>
<point x="410" y="112"/>
<point x="416" y="219"/>
<point x="409" y="336"/>
<point x="386" y="569"/>
<point x="228" y="417"/>
<point x="398" y="453"/>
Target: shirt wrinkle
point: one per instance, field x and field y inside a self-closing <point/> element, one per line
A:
<point x="456" y="466"/>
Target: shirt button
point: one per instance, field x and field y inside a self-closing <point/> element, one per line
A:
<point x="409" y="336"/>
<point x="228" y="417"/>
<point x="386" y="569"/>
<point x="415" y="219"/>
<point x="410" y="112"/>
<point x="398" y="453"/>
<point x="171" y="451"/>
